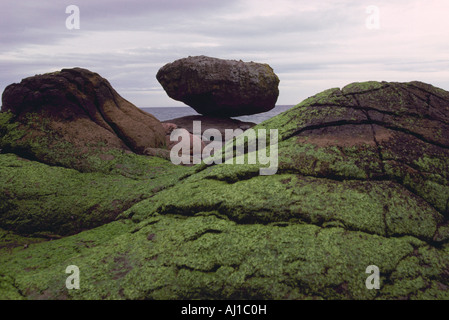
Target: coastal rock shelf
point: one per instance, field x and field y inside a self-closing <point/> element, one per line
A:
<point x="363" y="180"/>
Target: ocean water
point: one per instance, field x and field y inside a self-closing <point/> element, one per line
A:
<point x="169" y="113"/>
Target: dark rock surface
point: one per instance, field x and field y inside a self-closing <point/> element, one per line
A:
<point x="75" y="110"/>
<point x="218" y="87"/>
<point x="209" y="122"/>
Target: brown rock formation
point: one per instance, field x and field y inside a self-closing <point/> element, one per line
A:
<point x="78" y="107"/>
<point x="218" y="87"/>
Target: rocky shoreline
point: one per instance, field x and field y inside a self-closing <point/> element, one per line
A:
<point x="363" y="180"/>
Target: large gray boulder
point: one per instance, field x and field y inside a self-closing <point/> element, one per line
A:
<point x="217" y="87"/>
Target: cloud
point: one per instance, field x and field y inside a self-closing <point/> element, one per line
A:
<point x="312" y="46"/>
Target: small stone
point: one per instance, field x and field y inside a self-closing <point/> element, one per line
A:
<point x="151" y="237"/>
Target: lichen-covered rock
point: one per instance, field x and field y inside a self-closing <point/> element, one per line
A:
<point x="61" y="117"/>
<point x="218" y="87"/>
<point x="362" y="180"/>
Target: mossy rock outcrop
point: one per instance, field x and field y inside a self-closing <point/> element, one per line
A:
<point x="362" y="180"/>
<point x="64" y="118"/>
<point x="50" y="202"/>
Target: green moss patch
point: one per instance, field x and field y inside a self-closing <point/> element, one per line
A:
<point x="207" y="257"/>
<point x="47" y="201"/>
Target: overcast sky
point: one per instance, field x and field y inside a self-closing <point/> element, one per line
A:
<point x="311" y="45"/>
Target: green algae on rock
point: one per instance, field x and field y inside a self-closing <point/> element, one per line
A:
<point x="362" y="180"/>
<point x="390" y="131"/>
<point x="208" y="257"/>
<point x="41" y="200"/>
